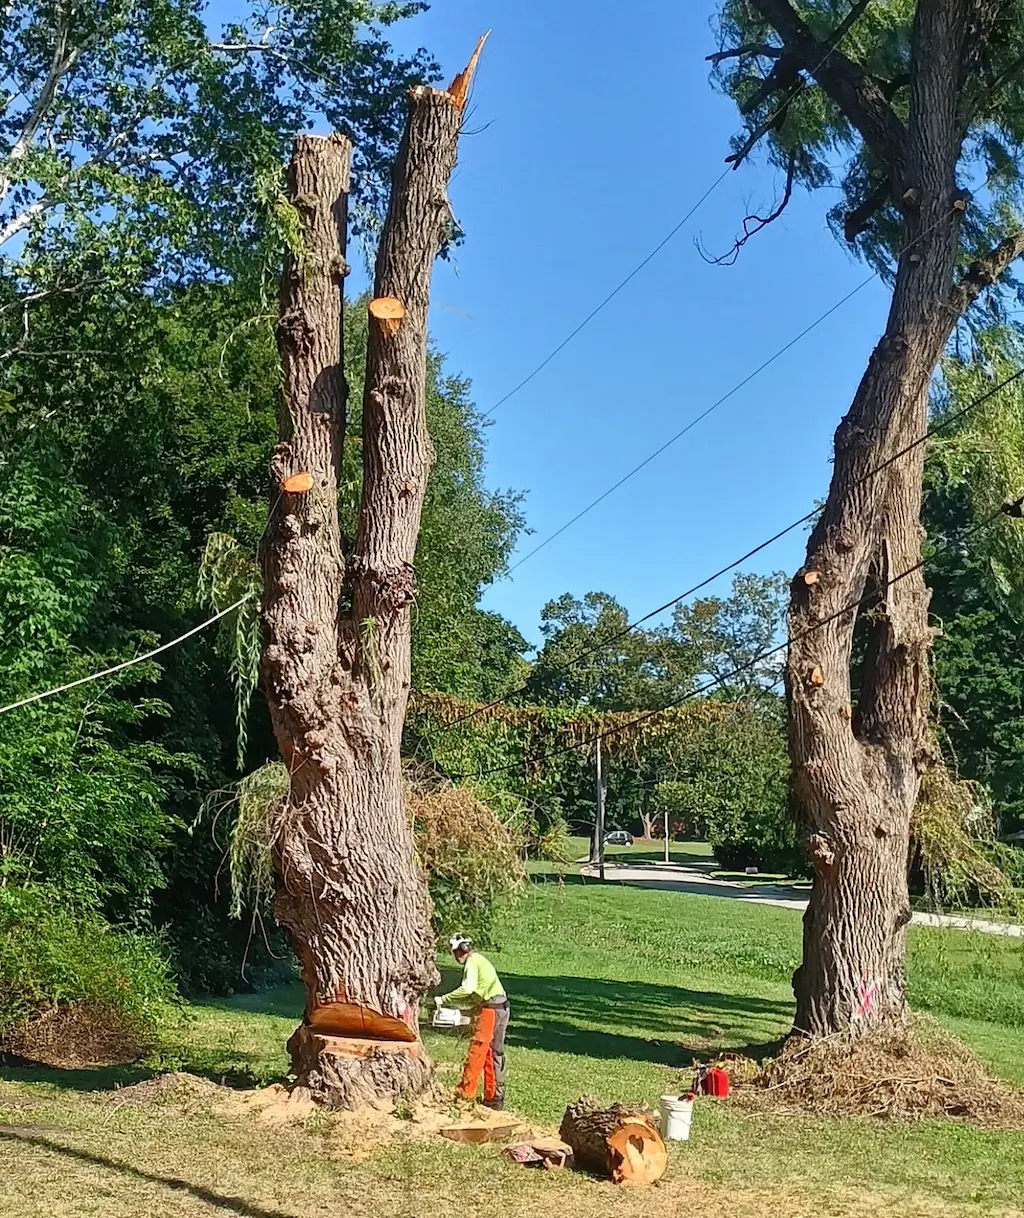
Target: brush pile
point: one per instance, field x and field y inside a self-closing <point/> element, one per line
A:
<point x="897" y="1075"/>
<point x="74" y="1037"/>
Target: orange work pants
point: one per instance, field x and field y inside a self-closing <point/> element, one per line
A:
<point x="480" y="1058"/>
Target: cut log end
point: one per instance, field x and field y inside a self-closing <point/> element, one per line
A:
<point x="458" y="90"/>
<point x="619" y="1142"/>
<point x="636" y="1154"/>
<point x="388" y="313"/>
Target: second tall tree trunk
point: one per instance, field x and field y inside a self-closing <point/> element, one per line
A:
<point x="857" y="769"/>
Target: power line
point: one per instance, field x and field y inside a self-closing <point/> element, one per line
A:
<point x="943" y="423"/>
<point x="841" y="31"/>
<point x="1013" y="508"/>
<point x="107" y="672"/>
<point x="724" y="398"/>
<point x="692" y="423"/>
<point x="611" y="295"/>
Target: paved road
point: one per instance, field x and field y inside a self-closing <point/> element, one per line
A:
<point x="668" y="876"/>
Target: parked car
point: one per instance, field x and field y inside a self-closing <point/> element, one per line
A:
<point x="618" y="837"/>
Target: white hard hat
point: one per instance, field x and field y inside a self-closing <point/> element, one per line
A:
<point x="459" y="943"/>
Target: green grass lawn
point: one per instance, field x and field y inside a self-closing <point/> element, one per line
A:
<point x="614" y="991"/>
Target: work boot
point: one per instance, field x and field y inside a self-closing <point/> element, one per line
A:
<point x="495" y="1105"/>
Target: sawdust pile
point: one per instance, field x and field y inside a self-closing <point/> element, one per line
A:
<point x="356" y="1136"/>
<point x="74" y="1037"/>
<point x="179" y="1091"/>
<point x="905" y="1076"/>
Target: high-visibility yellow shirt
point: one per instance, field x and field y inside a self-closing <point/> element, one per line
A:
<point x="479" y="983"/>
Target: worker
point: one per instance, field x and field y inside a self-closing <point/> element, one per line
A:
<point x="483" y="993"/>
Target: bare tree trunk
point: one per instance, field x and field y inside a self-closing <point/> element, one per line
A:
<point x="856" y="771"/>
<point x="351" y="893"/>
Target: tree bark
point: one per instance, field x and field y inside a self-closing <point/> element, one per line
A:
<point x="856" y="771"/>
<point x="620" y="1141"/>
<point x="351" y="893"/>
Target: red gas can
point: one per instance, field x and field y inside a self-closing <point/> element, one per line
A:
<point x="710" y="1080"/>
<point x="716" y="1082"/>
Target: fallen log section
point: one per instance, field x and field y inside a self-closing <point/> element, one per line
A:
<point x="619" y="1141"/>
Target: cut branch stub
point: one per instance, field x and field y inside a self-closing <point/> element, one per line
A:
<point x="816" y="676"/>
<point x="458" y="90"/>
<point x="297" y="483"/>
<point x="811" y="578"/>
<point x="388" y="313"/>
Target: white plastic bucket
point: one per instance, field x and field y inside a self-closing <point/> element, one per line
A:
<point x="676" y="1117"/>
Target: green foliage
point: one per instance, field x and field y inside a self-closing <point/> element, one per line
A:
<point x="642" y="669"/>
<point x="732" y="790"/>
<point x="980" y="457"/>
<point x="720" y="767"/>
<point x="52" y="956"/>
<point x="955" y="838"/>
<point x="254" y="804"/>
<point x="472" y="857"/>
<point x="471" y="854"/>
<point x="735" y="633"/>
<point x="828" y="152"/>
<point x="82" y="789"/>
<point x="229" y="574"/>
<point x="137" y="141"/>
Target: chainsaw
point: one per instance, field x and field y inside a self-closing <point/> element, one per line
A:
<point x="449" y="1017"/>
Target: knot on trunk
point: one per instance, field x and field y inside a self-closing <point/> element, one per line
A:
<point x="392" y="588"/>
<point x="293" y="330"/>
<point x="820" y="850"/>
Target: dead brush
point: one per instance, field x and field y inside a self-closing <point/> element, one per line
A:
<point x="81" y="1034"/>
<point x="904" y="1075"/>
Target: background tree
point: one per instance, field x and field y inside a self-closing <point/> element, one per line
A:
<point x="918" y="100"/>
<point x="975" y="462"/>
<point x="736" y="632"/>
<point x="642" y="668"/>
<point x="137" y="146"/>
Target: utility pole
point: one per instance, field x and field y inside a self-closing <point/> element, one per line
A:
<point x="599" y="817"/>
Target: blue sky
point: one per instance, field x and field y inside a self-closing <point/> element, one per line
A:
<point x="596" y="129"/>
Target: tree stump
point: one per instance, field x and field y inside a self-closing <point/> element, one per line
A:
<point x="619" y="1141"/>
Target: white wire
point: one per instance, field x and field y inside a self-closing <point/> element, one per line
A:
<point x="96" y="676"/>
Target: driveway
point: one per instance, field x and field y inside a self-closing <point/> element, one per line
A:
<point x="672" y="878"/>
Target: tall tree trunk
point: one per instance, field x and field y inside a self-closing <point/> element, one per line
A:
<point x="857" y="770"/>
<point x="351" y="892"/>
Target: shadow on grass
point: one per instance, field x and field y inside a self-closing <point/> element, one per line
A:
<point x="667" y="1025"/>
<point x="233" y="1205"/>
<point x="656" y="854"/>
<point x="238" y="1076"/>
<point x="92" y="1078"/>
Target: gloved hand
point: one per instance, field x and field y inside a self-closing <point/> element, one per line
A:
<point x="438" y="1002"/>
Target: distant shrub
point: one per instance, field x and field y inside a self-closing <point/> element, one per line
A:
<point x="66" y="976"/>
<point x="472" y="857"/>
